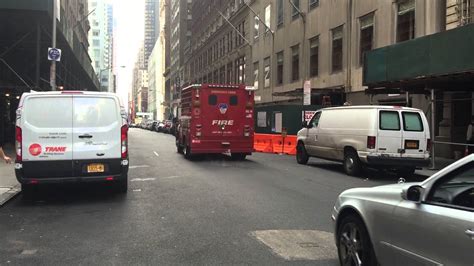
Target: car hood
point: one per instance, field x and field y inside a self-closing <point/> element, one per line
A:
<point x="379" y="193"/>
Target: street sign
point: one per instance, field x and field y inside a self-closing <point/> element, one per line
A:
<point x="54" y="54"/>
<point x="307" y="92"/>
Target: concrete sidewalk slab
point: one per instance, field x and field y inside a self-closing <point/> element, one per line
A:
<point x="9" y="186"/>
<point x="440" y="163"/>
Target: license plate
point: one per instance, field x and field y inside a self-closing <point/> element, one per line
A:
<point x="411" y="144"/>
<point x="95" y="168"/>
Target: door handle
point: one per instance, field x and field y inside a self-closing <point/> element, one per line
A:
<point x="470" y="233"/>
<point x="85" y="136"/>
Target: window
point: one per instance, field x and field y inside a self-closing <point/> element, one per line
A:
<point x="313" y="4"/>
<point x="233" y="100"/>
<point x="96" y="43"/>
<point x="315" y="120"/>
<point x="240" y="70"/>
<point x="268" y="17"/>
<point x="314" y="57"/>
<point x="256" y="28"/>
<point x="266" y="63"/>
<point x="337" y="49"/>
<point x="456" y="189"/>
<point x="95" y="33"/>
<point x="406" y="20"/>
<point x="280" y="68"/>
<point x="222" y="75"/>
<point x="229" y="73"/>
<point x="389" y="120"/>
<point x="212" y="100"/>
<point x="295" y="9"/>
<point x="412" y="122"/>
<point x="295" y="63"/>
<point x="366" y="36"/>
<point x="279" y="13"/>
<point x="255" y="75"/>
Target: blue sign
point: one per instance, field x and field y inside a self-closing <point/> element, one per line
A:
<point x="54" y="54"/>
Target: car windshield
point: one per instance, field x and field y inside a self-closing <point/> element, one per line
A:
<point x="236" y="132"/>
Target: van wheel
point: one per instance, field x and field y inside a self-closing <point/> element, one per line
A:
<point x="179" y="148"/>
<point x="301" y="154"/>
<point x="187" y="152"/>
<point x="352" y="164"/>
<point x="122" y="186"/>
<point x="406" y="171"/>
<point x="238" y="156"/>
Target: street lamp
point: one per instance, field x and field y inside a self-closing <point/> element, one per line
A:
<point x="105" y="69"/>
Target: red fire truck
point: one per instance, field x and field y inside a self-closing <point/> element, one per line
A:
<point x="216" y="119"/>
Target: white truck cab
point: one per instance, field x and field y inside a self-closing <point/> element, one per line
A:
<point x="388" y="137"/>
<point x="71" y="136"/>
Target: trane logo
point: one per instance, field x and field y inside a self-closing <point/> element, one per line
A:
<point x="223" y="122"/>
<point x="55" y="149"/>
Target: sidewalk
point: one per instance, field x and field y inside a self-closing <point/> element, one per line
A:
<point x="9" y="186"/>
<point x="440" y="163"/>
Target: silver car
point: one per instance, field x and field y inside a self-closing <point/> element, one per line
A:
<point x="427" y="223"/>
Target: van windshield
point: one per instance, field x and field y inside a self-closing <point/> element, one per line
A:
<point x="412" y="122"/>
<point x="54" y="112"/>
<point x="94" y="112"/>
<point x="389" y="120"/>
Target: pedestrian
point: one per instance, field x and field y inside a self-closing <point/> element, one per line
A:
<point x="470" y="137"/>
<point x="2" y="153"/>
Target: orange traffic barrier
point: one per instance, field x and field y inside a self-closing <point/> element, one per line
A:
<point x="277" y="143"/>
<point x="263" y="143"/>
<point x="290" y="145"/>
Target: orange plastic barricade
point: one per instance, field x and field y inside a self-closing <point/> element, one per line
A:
<point x="290" y="145"/>
<point x="263" y="143"/>
<point x="277" y="143"/>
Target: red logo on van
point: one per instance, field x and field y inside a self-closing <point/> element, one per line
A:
<point x="35" y="149"/>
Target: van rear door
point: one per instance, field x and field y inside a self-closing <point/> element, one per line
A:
<point x="46" y="125"/>
<point x="225" y="113"/>
<point x="389" y="133"/>
<point x="414" y="134"/>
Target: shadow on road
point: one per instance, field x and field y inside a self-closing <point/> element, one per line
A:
<point x="72" y="194"/>
<point x="368" y="173"/>
<point x="220" y="158"/>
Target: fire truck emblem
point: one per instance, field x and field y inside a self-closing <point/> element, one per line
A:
<point x="223" y="108"/>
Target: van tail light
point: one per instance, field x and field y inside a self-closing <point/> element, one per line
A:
<point x="18" y="144"/>
<point x="371" y="141"/>
<point x="124" y="141"/>
<point x="428" y="145"/>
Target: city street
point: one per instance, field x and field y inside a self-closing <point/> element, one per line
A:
<point x="265" y="210"/>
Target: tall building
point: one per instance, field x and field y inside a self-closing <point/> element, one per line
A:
<point x="25" y="35"/>
<point x="101" y="39"/>
<point x="151" y="26"/>
<point x="220" y="51"/>
<point x="140" y="83"/>
<point x="180" y="41"/>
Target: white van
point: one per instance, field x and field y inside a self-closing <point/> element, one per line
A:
<point x="395" y="138"/>
<point x="71" y="136"/>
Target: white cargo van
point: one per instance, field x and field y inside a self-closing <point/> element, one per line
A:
<point x="71" y="136"/>
<point x="394" y="138"/>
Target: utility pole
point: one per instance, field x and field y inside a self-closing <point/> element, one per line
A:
<point x="53" y="62"/>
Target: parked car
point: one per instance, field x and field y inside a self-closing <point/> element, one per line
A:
<point x="426" y="223"/>
<point x="87" y="142"/>
<point x="160" y="126"/>
<point x="385" y="137"/>
<point x="167" y="127"/>
<point x="143" y="124"/>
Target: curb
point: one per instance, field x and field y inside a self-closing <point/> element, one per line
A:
<point x="10" y="194"/>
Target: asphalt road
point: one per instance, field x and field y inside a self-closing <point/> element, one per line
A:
<point x="266" y="210"/>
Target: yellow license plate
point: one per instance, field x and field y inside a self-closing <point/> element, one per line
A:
<point x="95" y="168"/>
<point x="411" y="145"/>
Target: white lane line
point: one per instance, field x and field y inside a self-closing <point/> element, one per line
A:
<point x="298" y="244"/>
<point x="171" y="177"/>
<point x="143" y="179"/>
<point x="138" y="166"/>
<point x="157" y="155"/>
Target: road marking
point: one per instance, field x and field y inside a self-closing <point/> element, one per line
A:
<point x="29" y="252"/>
<point x="298" y="244"/>
<point x="137" y="190"/>
<point x="138" y="166"/>
<point x="143" y="179"/>
<point x="157" y="155"/>
<point x="171" y="177"/>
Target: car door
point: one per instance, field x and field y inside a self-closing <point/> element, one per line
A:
<point x="47" y="136"/>
<point x="389" y="133"/>
<point x="97" y="134"/>
<point x="414" y="135"/>
<point x="311" y="142"/>
<point x="439" y="230"/>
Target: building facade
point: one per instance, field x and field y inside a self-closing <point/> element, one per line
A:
<point x="151" y="27"/>
<point x="324" y="42"/>
<point x="180" y="43"/>
<point x="220" y="51"/>
<point x="140" y="83"/>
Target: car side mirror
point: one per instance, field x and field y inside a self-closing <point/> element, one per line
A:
<point x="413" y="193"/>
